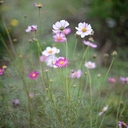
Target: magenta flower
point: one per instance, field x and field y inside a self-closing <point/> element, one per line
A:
<point x="61" y="62"/>
<point x="60" y="26"/>
<point x="33" y="75"/>
<point x="112" y="80"/>
<point x="124" y="80"/>
<point x="76" y="74"/>
<point x="59" y="37"/>
<point x="84" y="29"/>
<point x="1" y="71"/>
<point x="31" y="28"/>
<point x="88" y="43"/>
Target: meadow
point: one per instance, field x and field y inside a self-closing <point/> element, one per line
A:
<point x="52" y="74"/>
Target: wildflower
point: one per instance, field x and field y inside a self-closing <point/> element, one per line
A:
<point x="103" y="110"/>
<point x="1" y="71"/>
<point x="59" y="37"/>
<point x="66" y="31"/>
<point x="90" y="65"/>
<point x="61" y="62"/>
<point x="15" y="102"/>
<point x="112" y="80"/>
<point x="14" y="22"/>
<point x="38" y="5"/>
<point x="43" y="58"/>
<point x="60" y="26"/>
<point x="50" y="51"/>
<point x="121" y="124"/>
<point x="33" y="75"/>
<point x="76" y="74"/>
<point x="50" y="61"/>
<point x="31" y="28"/>
<point x="114" y="53"/>
<point x="124" y="80"/>
<point x="88" y="43"/>
<point x="84" y="29"/>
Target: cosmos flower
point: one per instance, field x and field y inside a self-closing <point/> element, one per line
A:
<point x="50" y="61"/>
<point x="66" y="31"/>
<point x="31" y="28"/>
<point x="43" y="58"/>
<point x="90" y="65"/>
<point x="60" y="26"/>
<point x="84" y="29"/>
<point x="76" y="74"/>
<point x="50" y="51"/>
<point x="38" y="5"/>
<point x="124" y="80"/>
<point x="61" y="62"/>
<point x="88" y="43"/>
<point x="33" y="75"/>
<point x="103" y="110"/>
<point x="1" y="71"/>
<point x="59" y="37"/>
<point x="121" y="124"/>
<point x="112" y="80"/>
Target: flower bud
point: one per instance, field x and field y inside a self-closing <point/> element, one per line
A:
<point x="114" y="53"/>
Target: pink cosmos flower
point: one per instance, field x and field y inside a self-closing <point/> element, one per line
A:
<point x="61" y="62"/>
<point x="90" y="65"/>
<point x="66" y="31"/>
<point x="60" y="26"/>
<point x="84" y="29"/>
<point x="1" y="71"/>
<point x="33" y="75"/>
<point x="31" y="28"/>
<point x="76" y="74"/>
<point x="104" y="109"/>
<point x="88" y="43"/>
<point x="124" y="80"/>
<point x="59" y="37"/>
<point x="112" y="80"/>
<point x="43" y="58"/>
<point x="121" y="124"/>
<point x="50" y="51"/>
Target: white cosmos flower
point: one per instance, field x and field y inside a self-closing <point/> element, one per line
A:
<point x="90" y="65"/>
<point x="84" y="29"/>
<point x="103" y="110"/>
<point x="60" y="26"/>
<point x="50" y="61"/>
<point x="50" y="51"/>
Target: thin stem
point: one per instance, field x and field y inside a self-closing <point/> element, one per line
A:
<point x="75" y="47"/>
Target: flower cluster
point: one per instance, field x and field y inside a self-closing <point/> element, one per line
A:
<point x="60" y="31"/>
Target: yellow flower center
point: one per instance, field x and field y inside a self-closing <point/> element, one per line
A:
<point x="61" y="62"/>
<point x="39" y="5"/>
<point x="50" y="51"/>
<point x="59" y="38"/>
<point x="33" y="75"/>
<point x="84" y="30"/>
